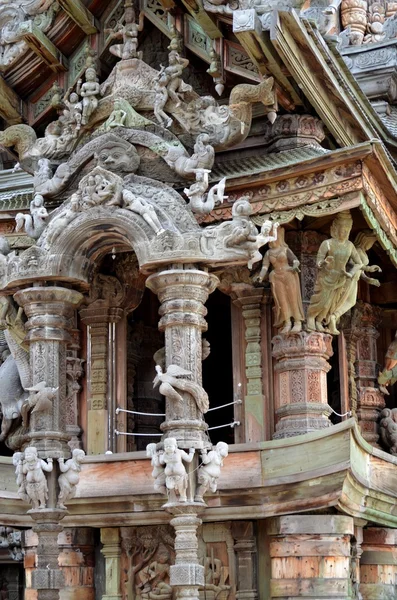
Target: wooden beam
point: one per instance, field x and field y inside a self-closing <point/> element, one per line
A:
<point x="198" y="13"/>
<point x="76" y="10"/>
<point x="248" y="30"/>
<point x="43" y="47"/>
<point x="10" y="104"/>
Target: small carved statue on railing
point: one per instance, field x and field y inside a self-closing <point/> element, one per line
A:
<point x="35" y="480"/>
<point x="69" y="477"/>
<point x="210" y="469"/>
<point x="284" y="281"/>
<point x="89" y="91"/>
<point x="176" y="479"/>
<point x="331" y="297"/>
<point x="158" y="470"/>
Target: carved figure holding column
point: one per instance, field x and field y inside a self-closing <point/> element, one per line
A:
<point x="69" y="477"/>
<point x="176" y="479"/>
<point x="158" y="470"/>
<point x="333" y="282"/>
<point x="17" y="461"/>
<point x="210" y="469"/>
<point x="284" y="281"/>
<point x="35" y="479"/>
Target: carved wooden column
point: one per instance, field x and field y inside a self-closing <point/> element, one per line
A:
<point x="301" y="382"/>
<point x="311" y="557"/>
<point x="249" y="299"/>
<point x="111" y="550"/>
<point x="370" y="400"/>
<point x="182" y="292"/>
<point x="246" y="559"/>
<point x="378" y="568"/>
<point x="101" y="315"/>
<point x="50" y="312"/>
<point x="74" y="372"/>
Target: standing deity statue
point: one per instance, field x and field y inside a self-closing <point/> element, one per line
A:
<point x="69" y="477"/>
<point x="284" y="281"/>
<point x="176" y="479"/>
<point x="128" y="33"/>
<point x="333" y="282"/>
<point x="35" y="479"/>
<point x="89" y="91"/>
<point x="210" y="469"/>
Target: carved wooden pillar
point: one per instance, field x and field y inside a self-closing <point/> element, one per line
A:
<point x="301" y="382"/>
<point x="248" y="299"/>
<point x="310" y="557"/>
<point x="378" y="569"/>
<point x="103" y="312"/>
<point x="74" y="372"/>
<point x="182" y="293"/>
<point x="370" y="400"/>
<point x="111" y="550"/>
<point x="246" y="559"/>
<point x="50" y="312"/>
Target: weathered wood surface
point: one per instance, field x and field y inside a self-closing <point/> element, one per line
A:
<point x="378" y="564"/>
<point x="335" y="467"/>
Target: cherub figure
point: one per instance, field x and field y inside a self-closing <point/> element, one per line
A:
<point x="35" y="479"/>
<point x="89" y="91"/>
<point x="158" y="471"/>
<point x="17" y="461"/>
<point x="210" y="469"/>
<point x="176" y="479"/>
<point x="69" y="477"/>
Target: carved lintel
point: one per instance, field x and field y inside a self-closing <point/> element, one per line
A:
<point x="76" y="10"/>
<point x="43" y="47"/>
<point x="248" y="30"/>
<point x="10" y="104"/>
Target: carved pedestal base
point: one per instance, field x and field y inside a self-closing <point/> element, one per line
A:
<point x="370" y="404"/>
<point x="301" y="382"/>
<point x="378" y="570"/>
<point x="186" y="575"/>
<point x="311" y="557"/>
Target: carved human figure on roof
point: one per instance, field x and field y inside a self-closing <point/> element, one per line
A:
<point x="128" y="33"/>
<point x="11" y="44"/>
<point x="176" y="87"/>
<point x="176" y="479"/>
<point x="73" y="111"/>
<point x="61" y="220"/>
<point x="284" y="281"/>
<point x="338" y="262"/>
<point x="202" y="158"/>
<point x="35" y="223"/>
<point x="89" y="91"/>
<point x="201" y="202"/>
<point x="142" y="207"/>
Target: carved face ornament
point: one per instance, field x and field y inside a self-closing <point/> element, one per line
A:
<point x="119" y="157"/>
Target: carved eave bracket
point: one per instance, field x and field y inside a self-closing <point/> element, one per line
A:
<point x="43" y="47"/>
<point x="76" y="10"/>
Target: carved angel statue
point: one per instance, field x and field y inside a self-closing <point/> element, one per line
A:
<point x="158" y="470"/>
<point x="176" y="479"/>
<point x="128" y="33"/>
<point x="35" y="480"/>
<point x="268" y="233"/>
<point x="40" y="400"/>
<point x="35" y="223"/>
<point x="210" y="469"/>
<point x="171" y="381"/>
<point x="200" y="202"/>
<point x="69" y="477"/>
<point x="89" y="91"/>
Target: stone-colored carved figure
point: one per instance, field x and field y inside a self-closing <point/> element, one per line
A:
<point x="128" y="33"/>
<point x="35" y="479"/>
<point x="4" y="252"/>
<point x="267" y="234"/>
<point x="142" y="207"/>
<point x="158" y="470"/>
<point x="176" y="87"/>
<point x="117" y="118"/>
<point x="118" y="157"/>
<point x="61" y="221"/>
<point x="156" y="576"/>
<point x="100" y="187"/>
<point x="335" y="255"/>
<point x="40" y="400"/>
<point x="171" y="381"/>
<point x="35" y="223"/>
<point x="89" y="91"/>
<point x="176" y="479"/>
<point x="69" y="477"/>
<point x="284" y="281"/>
<point x="202" y="158"/>
<point x="74" y="110"/>
<point x="17" y="461"/>
<point x="200" y="202"/>
<point x="388" y="429"/>
<point x="210" y="469"/>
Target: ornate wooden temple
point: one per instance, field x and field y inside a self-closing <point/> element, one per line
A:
<point x="198" y="300"/>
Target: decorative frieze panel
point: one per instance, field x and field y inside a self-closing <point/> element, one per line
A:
<point x="237" y="61"/>
<point x="196" y="39"/>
